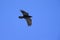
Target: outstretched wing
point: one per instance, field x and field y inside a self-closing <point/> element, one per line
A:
<point x="24" y="13"/>
<point x="29" y="21"/>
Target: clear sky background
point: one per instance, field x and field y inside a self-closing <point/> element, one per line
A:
<point x="45" y="20"/>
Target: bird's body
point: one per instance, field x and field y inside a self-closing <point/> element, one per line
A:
<point x="27" y="17"/>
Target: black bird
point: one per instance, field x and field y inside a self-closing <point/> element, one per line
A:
<point x="26" y="17"/>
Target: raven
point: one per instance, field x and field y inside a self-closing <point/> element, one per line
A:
<point x="26" y="17"/>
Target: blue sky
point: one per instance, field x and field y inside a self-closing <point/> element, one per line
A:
<point x="45" y="20"/>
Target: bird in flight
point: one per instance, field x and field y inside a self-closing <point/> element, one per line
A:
<point x="27" y="17"/>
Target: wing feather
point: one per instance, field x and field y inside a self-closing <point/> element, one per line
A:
<point x="29" y="21"/>
<point x="24" y="12"/>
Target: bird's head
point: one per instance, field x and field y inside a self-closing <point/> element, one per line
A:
<point x="20" y="17"/>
